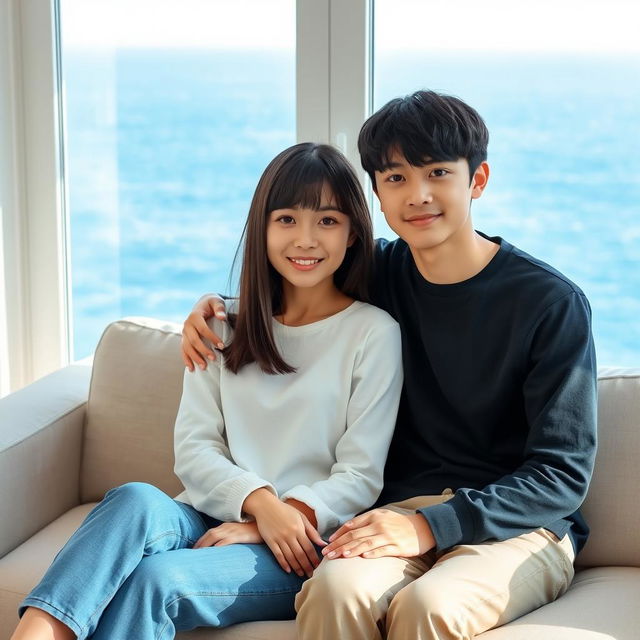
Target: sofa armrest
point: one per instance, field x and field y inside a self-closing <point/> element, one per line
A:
<point x="40" y="450"/>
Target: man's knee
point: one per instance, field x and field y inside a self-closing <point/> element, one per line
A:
<point x="423" y="604"/>
<point x="329" y="584"/>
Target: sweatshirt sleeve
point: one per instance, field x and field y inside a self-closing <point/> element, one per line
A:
<point x="356" y="476"/>
<point x="214" y="484"/>
<point x="559" y="396"/>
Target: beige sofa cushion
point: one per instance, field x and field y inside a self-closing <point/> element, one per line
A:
<point x="135" y="392"/>
<point x="611" y="508"/>
<point x="601" y="604"/>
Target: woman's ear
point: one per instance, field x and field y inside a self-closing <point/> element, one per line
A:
<point x="352" y="238"/>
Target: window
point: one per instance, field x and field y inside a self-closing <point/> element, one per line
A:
<point x="149" y="153"/>
<point x="172" y="111"/>
<point x="557" y="84"/>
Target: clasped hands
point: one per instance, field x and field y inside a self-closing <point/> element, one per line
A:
<point x="285" y="527"/>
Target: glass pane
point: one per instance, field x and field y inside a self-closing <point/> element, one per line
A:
<point x="558" y="84"/>
<point x="173" y="109"/>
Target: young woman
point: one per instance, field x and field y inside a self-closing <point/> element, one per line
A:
<point x="277" y="443"/>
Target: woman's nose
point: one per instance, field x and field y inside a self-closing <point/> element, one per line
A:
<point x="306" y="237"/>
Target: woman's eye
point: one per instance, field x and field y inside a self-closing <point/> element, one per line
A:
<point x="327" y="222"/>
<point x="286" y="219"/>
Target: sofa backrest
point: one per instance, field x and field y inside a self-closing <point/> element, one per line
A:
<point x="135" y="391"/>
<point x="612" y="507"/>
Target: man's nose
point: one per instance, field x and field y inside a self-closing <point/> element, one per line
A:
<point x="419" y="193"/>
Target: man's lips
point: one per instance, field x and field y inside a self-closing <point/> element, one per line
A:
<point x="423" y="219"/>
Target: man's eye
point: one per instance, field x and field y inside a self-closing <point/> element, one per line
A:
<point x="396" y="177"/>
<point x="439" y="173"/>
<point x="327" y="222"/>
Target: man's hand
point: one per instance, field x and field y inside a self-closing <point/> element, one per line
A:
<point x="381" y="532"/>
<point x="286" y="531"/>
<point x="230" y="533"/>
<point x="194" y="350"/>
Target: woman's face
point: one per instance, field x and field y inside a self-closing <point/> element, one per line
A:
<point x="306" y="246"/>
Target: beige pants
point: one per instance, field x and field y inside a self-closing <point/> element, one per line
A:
<point x="456" y="594"/>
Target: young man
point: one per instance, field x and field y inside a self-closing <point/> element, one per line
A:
<point x="495" y="438"/>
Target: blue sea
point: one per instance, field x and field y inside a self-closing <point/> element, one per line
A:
<point x="164" y="149"/>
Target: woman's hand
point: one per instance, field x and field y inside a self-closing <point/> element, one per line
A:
<point x="230" y="533"/>
<point x="194" y="350"/>
<point x="286" y="531"/>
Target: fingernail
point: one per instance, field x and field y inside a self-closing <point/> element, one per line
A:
<point x="347" y="553"/>
<point x="331" y="554"/>
<point x="201" y="366"/>
<point x="220" y="314"/>
<point x="210" y="356"/>
<point x="220" y="345"/>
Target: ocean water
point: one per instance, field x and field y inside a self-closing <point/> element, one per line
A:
<point x="164" y="149"/>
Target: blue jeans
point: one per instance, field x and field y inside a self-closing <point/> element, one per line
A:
<point x="129" y="572"/>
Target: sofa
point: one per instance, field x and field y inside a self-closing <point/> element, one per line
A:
<point x="69" y="437"/>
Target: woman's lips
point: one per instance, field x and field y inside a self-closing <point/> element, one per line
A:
<point x="305" y="264"/>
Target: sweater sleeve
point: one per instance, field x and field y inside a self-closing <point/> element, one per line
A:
<point x="214" y="484"/>
<point x="559" y="395"/>
<point x="356" y="476"/>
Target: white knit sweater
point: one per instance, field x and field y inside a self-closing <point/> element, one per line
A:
<point x="319" y="435"/>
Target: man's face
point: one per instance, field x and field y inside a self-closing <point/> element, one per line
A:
<point x="428" y="205"/>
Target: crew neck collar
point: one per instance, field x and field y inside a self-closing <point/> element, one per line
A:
<point x="458" y="288"/>
<point x="315" y="326"/>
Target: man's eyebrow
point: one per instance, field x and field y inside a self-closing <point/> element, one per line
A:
<point x="388" y="166"/>
<point x="392" y="165"/>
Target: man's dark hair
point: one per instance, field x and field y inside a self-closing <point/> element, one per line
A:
<point x="424" y="126"/>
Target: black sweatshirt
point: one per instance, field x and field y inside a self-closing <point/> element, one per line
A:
<point x="499" y="398"/>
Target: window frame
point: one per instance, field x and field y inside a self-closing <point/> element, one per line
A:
<point x="35" y="317"/>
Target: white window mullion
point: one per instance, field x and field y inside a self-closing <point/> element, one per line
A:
<point x="32" y="207"/>
<point x="350" y="73"/>
<point x="44" y="188"/>
<point x="333" y="72"/>
<point x="15" y="353"/>
<point x="312" y="71"/>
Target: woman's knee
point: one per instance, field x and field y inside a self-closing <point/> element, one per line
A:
<point x="136" y="494"/>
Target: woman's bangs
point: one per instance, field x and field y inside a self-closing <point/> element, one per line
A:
<point x="298" y="186"/>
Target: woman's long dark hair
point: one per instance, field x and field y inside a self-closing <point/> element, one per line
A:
<point x="294" y="178"/>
